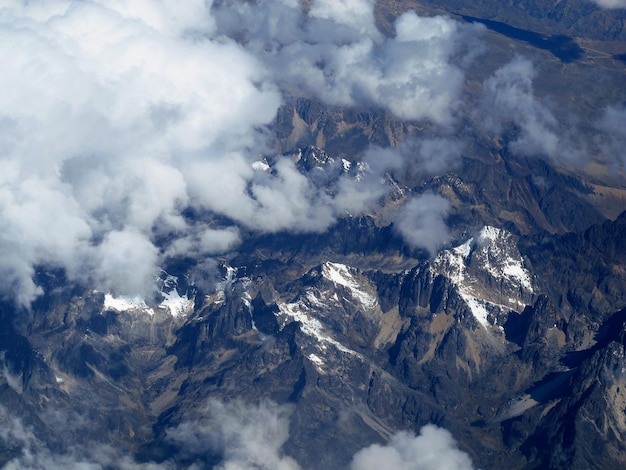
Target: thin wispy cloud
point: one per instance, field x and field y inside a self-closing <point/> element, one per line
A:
<point x="229" y="436"/>
<point x="510" y="99"/>
<point x="612" y="135"/>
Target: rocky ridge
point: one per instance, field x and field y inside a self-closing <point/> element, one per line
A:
<point x="473" y="340"/>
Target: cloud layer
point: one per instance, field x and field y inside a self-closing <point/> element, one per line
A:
<point x="337" y="54"/>
<point x="240" y="436"/>
<point x="122" y="115"/>
<point x="114" y="110"/>
<point x="244" y="436"/>
<point x="125" y="117"/>
<point x="33" y="454"/>
<point x="511" y="107"/>
<point x="232" y="436"/>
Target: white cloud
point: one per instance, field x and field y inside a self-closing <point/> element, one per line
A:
<point x="610" y="4"/>
<point x="125" y="252"/>
<point x="123" y="114"/>
<point x="356" y="14"/>
<point x="40" y="224"/>
<point x="612" y="137"/>
<point x="338" y="54"/>
<point x="112" y="105"/>
<point x="421" y="222"/>
<point x="204" y="241"/>
<point x="433" y="449"/>
<point x="509" y="98"/>
<point x="245" y="436"/>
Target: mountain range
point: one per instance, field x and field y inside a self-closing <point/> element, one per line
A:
<point x="380" y="281"/>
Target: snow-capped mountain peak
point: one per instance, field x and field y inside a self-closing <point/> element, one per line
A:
<point x="489" y="273"/>
<point x="172" y="302"/>
<point x="340" y="275"/>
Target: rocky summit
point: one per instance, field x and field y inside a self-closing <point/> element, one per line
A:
<point x="394" y="237"/>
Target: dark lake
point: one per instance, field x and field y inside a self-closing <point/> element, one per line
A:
<point x="562" y="47"/>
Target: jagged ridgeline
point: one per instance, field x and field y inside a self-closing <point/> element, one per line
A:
<point x="512" y="343"/>
<point x="390" y="239"/>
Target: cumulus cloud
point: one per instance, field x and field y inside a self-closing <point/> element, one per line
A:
<point x="113" y="105"/>
<point x="356" y="14"/>
<point x="122" y="115"/>
<point x="509" y="98"/>
<point x="229" y="436"/>
<point x="421" y="222"/>
<point x="245" y="436"/>
<point x="610" y="4"/>
<point x="204" y="241"/>
<point x="337" y="54"/>
<point x="433" y="449"/>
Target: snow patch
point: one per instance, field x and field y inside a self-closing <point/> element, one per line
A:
<point x="464" y="250"/>
<point x="492" y="251"/>
<point x="176" y="305"/>
<point x="314" y="301"/>
<point x="346" y="165"/>
<point x="311" y="326"/>
<point x="477" y="307"/>
<point x="500" y="263"/>
<point x="318" y="361"/>
<point x="361" y="169"/>
<point x="172" y="301"/>
<point x="340" y="275"/>
<point x="230" y="274"/>
<point x="260" y="166"/>
<point x="246" y="298"/>
<point x="489" y="234"/>
<point x="455" y="260"/>
<point x="220" y="287"/>
<point x="514" y="269"/>
<point x="126" y="304"/>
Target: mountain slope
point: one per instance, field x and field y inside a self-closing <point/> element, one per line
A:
<point x="471" y="341"/>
